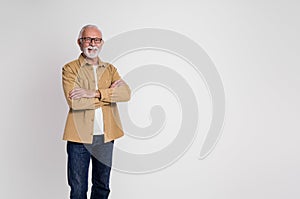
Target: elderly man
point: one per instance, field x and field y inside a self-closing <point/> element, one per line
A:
<point x="92" y="88"/>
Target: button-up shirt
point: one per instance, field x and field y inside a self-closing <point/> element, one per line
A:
<point x="80" y="120"/>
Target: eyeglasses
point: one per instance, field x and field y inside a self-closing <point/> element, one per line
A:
<point x="89" y="40"/>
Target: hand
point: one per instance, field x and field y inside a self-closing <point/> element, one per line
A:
<point x="117" y="83"/>
<point x="78" y="93"/>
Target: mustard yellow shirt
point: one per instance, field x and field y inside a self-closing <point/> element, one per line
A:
<point x="80" y="120"/>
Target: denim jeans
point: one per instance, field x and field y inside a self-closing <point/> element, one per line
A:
<point x="79" y="156"/>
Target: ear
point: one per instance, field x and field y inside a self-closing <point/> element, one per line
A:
<point x="102" y="42"/>
<point x="79" y="43"/>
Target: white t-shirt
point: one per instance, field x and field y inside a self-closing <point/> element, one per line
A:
<point x="98" y="121"/>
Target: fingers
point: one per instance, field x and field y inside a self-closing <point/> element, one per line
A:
<point x="117" y="83"/>
<point x="76" y="93"/>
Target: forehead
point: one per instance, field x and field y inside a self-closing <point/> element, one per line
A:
<point x="91" y="32"/>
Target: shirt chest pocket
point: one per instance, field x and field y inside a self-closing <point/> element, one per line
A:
<point x="83" y="83"/>
<point x="104" y="80"/>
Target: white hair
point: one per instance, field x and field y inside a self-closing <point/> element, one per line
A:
<point x="85" y="27"/>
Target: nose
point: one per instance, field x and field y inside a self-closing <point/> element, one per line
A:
<point x="92" y="42"/>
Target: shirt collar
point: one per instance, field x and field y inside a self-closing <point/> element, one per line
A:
<point x="83" y="62"/>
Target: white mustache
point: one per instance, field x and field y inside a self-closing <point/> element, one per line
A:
<point x="92" y="48"/>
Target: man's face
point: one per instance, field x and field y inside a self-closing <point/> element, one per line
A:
<point x="91" y="42"/>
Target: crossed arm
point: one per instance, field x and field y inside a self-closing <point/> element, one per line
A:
<point x="78" y="93"/>
<point x="82" y="99"/>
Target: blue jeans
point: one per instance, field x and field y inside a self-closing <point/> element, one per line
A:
<point x="79" y="156"/>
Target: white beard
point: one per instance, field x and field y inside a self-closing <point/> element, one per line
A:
<point x="94" y="52"/>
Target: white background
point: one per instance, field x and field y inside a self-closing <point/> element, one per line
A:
<point x="255" y="47"/>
